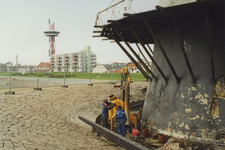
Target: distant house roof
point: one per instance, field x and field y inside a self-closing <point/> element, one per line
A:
<point x="27" y="66"/>
<point x="104" y="64"/>
<point x="132" y="66"/>
<point x="44" y="65"/>
<point x="121" y="64"/>
<point x="114" y="67"/>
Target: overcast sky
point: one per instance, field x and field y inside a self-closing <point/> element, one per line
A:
<point x="22" y="23"/>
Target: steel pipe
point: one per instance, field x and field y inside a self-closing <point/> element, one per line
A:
<point x="135" y="54"/>
<point x="210" y="45"/>
<point x="183" y="51"/>
<point x="127" y="100"/>
<point x="150" y="48"/>
<point x="131" y="58"/>
<point x="160" y="71"/>
<point x="142" y="54"/>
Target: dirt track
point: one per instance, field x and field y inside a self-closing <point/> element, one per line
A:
<point x="48" y="119"/>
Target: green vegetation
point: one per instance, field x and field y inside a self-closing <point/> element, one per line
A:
<point x="136" y="77"/>
<point x="4" y="73"/>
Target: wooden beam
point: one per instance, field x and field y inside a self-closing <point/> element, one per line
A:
<point x="106" y="39"/>
<point x="94" y="36"/>
<point x="97" y="31"/>
<point x="98" y="26"/>
<point x="110" y="21"/>
<point x="127" y="14"/>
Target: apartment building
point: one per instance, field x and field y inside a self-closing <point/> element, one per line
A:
<point x="83" y="61"/>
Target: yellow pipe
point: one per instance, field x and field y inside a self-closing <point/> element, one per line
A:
<point x="127" y="101"/>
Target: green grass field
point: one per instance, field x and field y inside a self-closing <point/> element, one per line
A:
<point x="136" y="77"/>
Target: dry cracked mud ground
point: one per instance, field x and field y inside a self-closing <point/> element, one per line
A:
<point x="48" y="119"/>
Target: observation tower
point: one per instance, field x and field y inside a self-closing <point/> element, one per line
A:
<point x="51" y="34"/>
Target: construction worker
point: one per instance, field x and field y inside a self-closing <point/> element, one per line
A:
<point x="120" y="119"/>
<point x="105" y="109"/>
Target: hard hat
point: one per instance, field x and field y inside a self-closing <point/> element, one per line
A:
<point x="119" y="106"/>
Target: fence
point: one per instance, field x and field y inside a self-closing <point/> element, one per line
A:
<point x="12" y="79"/>
<point x="15" y="83"/>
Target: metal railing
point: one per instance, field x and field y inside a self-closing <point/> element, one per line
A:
<point x="117" y="8"/>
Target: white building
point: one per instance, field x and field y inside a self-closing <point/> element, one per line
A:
<point x="99" y="69"/>
<point x="9" y="63"/>
<point x="83" y="61"/>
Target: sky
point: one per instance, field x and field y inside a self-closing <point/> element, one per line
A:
<point x="23" y="22"/>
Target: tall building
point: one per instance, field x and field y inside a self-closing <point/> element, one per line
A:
<point x="83" y="61"/>
<point x="87" y="60"/>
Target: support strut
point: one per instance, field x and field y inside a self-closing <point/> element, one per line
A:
<point x="183" y="51"/>
<point x="150" y="48"/>
<point x="142" y="54"/>
<point x="163" y="51"/>
<point x="210" y="45"/>
<point x="154" y="62"/>
<point x="135" y="54"/>
<point x="131" y="145"/>
<point x="131" y="58"/>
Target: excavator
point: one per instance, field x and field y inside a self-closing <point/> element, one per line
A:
<point x="133" y="123"/>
